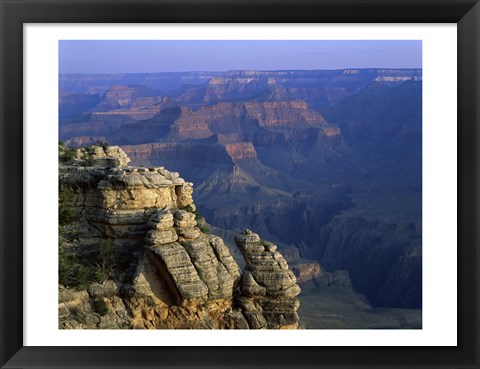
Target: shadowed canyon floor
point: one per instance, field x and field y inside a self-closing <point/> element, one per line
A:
<point x="341" y="308"/>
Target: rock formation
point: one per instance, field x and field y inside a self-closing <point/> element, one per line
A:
<point x="197" y="267"/>
<point x="177" y="276"/>
<point x="316" y="87"/>
<point x="232" y="121"/>
<point x="268" y="288"/>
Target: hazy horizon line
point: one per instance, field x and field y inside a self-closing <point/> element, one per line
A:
<point x="249" y="69"/>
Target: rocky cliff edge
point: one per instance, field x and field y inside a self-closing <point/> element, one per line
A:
<point x="135" y="253"/>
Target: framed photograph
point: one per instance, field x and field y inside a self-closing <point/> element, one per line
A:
<point x="227" y="184"/>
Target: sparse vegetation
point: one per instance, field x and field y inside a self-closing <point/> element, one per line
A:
<point x="107" y="256"/>
<point x="203" y="228"/>
<point x="72" y="234"/>
<point x="66" y="154"/>
<point x="87" y="156"/>
<point x="81" y="270"/>
<point x="100" y="307"/>
<point x="66" y="213"/>
<point x="103" y="144"/>
<point x="198" y="216"/>
<point x="150" y="302"/>
<point x="189" y="208"/>
<point x="186" y="208"/>
<point x="78" y="315"/>
<point x="72" y="271"/>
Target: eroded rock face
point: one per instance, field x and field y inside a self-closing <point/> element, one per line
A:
<point x="198" y="267"/>
<point x="306" y="271"/>
<point x="118" y="97"/>
<point x="241" y="150"/>
<point x="103" y="156"/>
<point x="76" y="310"/>
<point x="119" y="201"/>
<point x="268" y="288"/>
<point x="339" y="278"/>
<point x="182" y="277"/>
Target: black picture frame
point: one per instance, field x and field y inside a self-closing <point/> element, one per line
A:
<point x="14" y="13"/>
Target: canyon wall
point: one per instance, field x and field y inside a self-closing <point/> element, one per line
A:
<point x="326" y="164"/>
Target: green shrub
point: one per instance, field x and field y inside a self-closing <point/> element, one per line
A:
<point x="186" y="208"/>
<point x="107" y="256"/>
<point x="203" y="228"/>
<point x="71" y="273"/>
<point x="189" y="208"/>
<point x="68" y="154"/>
<point x="66" y="214"/>
<point x="65" y="266"/>
<point x="80" y="271"/>
<point x="79" y="315"/>
<point x="72" y="234"/>
<point x="77" y="272"/>
<point x="98" y="276"/>
<point x="198" y="216"/>
<point x="100" y="307"/>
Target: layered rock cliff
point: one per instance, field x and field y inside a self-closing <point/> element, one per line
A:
<point x="258" y="122"/>
<point x="139" y="228"/>
<point x="268" y="288"/>
<point x="317" y="87"/>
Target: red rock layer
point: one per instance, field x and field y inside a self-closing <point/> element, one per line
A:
<point x="241" y="150"/>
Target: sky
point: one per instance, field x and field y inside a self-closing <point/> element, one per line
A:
<point x="147" y="56"/>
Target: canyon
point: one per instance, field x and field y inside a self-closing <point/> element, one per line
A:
<point x="324" y="164"/>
